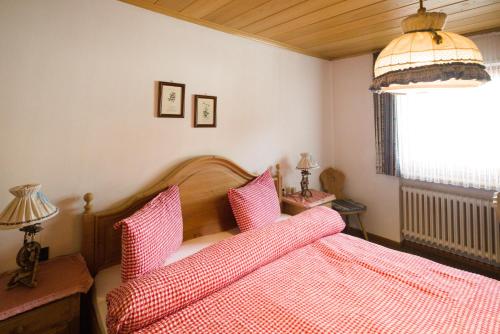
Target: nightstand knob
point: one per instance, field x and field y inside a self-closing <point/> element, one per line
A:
<point x="19" y="329"/>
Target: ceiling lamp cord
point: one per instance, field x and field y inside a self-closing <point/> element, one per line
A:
<point x="436" y="37"/>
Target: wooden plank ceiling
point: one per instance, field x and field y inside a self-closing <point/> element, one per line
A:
<point x="324" y="28"/>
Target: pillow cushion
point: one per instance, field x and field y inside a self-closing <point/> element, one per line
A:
<point x="255" y="204"/>
<point x="151" y="234"/>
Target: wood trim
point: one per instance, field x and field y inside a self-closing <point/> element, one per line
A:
<point x="349" y="47"/>
<point x="451" y="259"/>
<point x="374" y="238"/>
<point x="339" y="28"/>
<point x="333" y="19"/>
<point x="89" y="234"/>
<point x="430" y="253"/>
<point x="326" y="29"/>
<point x="202" y="8"/>
<point x="300" y="11"/>
<point x="163" y="10"/>
<point x="262" y="13"/>
<point x="203" y="183"/>
<point x="455" y="23"/>
<point x="91" y="314"/>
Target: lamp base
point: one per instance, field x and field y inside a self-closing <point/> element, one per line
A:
<point x="27" y="259"/>
<point x="304" y="184"/>
<point x="306" y="193"/>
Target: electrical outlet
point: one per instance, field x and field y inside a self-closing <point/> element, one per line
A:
<point x="44" y="254"/>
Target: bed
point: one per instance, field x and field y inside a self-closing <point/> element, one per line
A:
<point x="297" y="275"/>
<point x="203" y="182"/>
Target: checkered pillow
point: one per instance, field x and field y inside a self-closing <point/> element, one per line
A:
<point x="147" y="299"/>
<point x="151" y="234"/>
<point x="255" y="204"/>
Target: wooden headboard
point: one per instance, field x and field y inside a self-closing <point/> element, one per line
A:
<point x="203" y="183"/>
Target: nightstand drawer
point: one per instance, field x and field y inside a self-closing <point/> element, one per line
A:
<point x="61" y="316"/>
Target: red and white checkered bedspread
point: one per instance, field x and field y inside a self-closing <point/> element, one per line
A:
<point x="303" y="276"/>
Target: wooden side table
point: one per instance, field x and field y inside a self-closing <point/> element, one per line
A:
<point x="51" y="307"/>
<point x="295" y="203"/>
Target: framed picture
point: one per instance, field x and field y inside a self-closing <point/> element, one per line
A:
<point x="205" y="111"/>
<point x="171" y="99"/>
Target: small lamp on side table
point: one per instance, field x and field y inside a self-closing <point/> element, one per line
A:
<point x="305" y="164"/>
<point x="27" y="210"/>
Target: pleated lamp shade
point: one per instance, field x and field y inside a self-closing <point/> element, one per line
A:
<point x="306" y="162"/>
<point x="425" y="57"/>
<point x="29" y="206"/>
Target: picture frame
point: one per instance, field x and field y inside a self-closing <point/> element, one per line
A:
<point x="205" y="111"/>
<point x="171" y="99"/>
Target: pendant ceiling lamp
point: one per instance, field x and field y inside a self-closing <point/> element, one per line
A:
<point x="425" y="57"/>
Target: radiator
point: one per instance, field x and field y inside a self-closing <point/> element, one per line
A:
<point x="462" y="225"/>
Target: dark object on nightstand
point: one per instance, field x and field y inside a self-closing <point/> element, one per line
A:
<point x="54" y="306"/>
<point x="332" y="181"/>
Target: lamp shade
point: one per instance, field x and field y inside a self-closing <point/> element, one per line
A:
<point x="29" y="206"/>
<point x="306" y="162"/>
<point x="425" y="57"/>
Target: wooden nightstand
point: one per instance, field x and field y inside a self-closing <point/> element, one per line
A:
<point x="294" y="203"/>
<point x="51" y="307"/>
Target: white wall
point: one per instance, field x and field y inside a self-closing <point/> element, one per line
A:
<point x="354" y="146"/>
<point x="77" y="106"/>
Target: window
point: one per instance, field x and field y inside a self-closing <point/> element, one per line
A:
<point x="451" y="137"/>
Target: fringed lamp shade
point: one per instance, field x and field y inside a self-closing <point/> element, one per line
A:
<point x="29" y="206"/>
<point x="425" y="57"/>
<point x="306" y="162"/>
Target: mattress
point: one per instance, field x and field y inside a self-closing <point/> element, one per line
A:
<point x="110" y="278"/>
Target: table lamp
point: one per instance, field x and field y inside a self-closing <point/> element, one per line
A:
<point x="27" y="210"/>
<point x="305" y="164"/>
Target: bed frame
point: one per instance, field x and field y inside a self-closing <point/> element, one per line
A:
<point x="203" y="183"/>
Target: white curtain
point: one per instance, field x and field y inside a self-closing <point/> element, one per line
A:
<point x="453" y="137"/>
